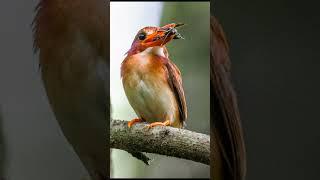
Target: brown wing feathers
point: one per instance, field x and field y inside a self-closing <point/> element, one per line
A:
<point x="175" y="83"/>
<point x="224" y="110"/>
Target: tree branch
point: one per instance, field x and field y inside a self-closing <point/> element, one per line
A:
<point x="169" y="141"/>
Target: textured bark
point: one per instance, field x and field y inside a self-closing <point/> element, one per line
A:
<point x="169" y="141"/>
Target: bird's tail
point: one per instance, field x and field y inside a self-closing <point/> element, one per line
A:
<point x="229" y="161"/>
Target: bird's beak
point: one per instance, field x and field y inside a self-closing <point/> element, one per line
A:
<point x="172" y="25"/>
<point x="163" y="35"/>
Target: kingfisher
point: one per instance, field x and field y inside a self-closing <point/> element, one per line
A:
<point x="151" y="81"/>
<point x="72" y="40"/>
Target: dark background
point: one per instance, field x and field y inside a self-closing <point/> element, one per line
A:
<point x="275" y="60"/>
<point x="32" y="146"/>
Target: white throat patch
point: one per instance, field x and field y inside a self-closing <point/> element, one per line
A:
<point x="157" y="50"/>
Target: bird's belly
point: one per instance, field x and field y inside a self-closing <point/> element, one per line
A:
<point x="151" y="99"/>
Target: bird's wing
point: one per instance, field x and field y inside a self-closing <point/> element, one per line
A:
<point x="175" y="82"/>
<point x="227" y="128"/>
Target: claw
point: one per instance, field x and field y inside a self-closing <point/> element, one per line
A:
<point x="133" y="121"/>
<point x="165" y="123"/>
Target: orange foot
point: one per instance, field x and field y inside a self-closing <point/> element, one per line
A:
<point x="166" y="123"/>
<point x="133" y="121"/>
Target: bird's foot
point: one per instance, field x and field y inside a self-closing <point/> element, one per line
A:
<point x="133" y="121"/>
<point x="165" y="123"/>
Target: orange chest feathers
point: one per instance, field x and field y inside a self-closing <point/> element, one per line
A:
<point x="143" y="67"/>
<point x="145" y="81"/>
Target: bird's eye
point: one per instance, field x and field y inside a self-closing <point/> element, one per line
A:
<point x="142" y="36"/>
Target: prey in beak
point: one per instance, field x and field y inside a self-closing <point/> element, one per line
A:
<point x="170" y="30"/>
<point x="161" y="35"/>
<point x="155" y="36"/>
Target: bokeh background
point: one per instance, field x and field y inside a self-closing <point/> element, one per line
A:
<point x="32" y="145"/>
<point x="274" y="48"/>
<point x="190" y="55"/>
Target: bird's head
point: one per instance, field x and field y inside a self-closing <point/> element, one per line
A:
<point x="154" y="36"/>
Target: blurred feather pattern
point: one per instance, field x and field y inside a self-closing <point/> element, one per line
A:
<point x="228" y="148"/>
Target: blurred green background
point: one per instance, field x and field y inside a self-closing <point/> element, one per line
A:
<point x="192" y="57"/>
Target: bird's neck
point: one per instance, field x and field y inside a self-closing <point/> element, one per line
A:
<point x="146" y="59"/>
<point x="156" y="50"/>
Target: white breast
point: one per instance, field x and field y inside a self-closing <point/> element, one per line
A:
<point x="149" y="102"/>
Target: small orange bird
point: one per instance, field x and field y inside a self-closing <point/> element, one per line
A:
<point x="72" y="38"/>
<point x="153" y="83"/>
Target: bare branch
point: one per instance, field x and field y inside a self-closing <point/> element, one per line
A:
<point x="169" y="141"/>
